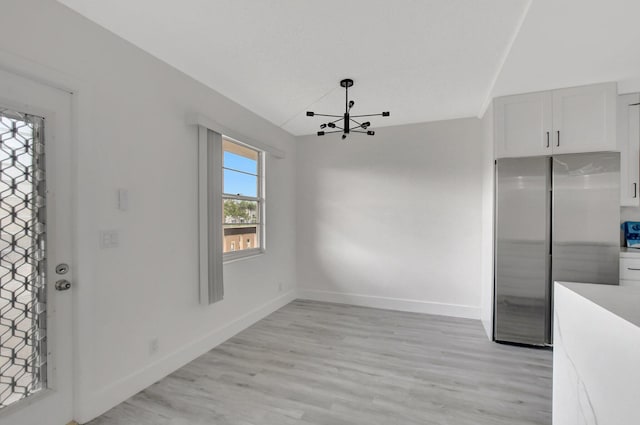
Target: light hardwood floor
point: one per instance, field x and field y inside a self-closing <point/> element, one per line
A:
<point x="313" y="363"/>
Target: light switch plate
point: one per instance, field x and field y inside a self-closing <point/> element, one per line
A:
<point x="109" y="239"/>
<point x="123" y="199"/>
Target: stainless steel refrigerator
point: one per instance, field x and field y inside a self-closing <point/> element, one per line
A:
<point x="557" y="219"/>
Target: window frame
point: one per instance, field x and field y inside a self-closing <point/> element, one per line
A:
<point x="260" y="199"/>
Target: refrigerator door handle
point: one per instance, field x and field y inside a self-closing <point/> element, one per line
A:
<point x="547" y="139"/>
<point x="558" y="140"/>
<point x="635" y="190"/>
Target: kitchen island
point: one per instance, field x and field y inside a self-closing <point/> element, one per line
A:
<point x="596" y="356"/>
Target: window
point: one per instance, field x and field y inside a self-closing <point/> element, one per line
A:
<point x="242" y="200"/>
<point x="231" y="203"/>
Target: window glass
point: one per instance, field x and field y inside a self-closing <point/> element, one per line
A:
<point x="236" y="183"/>
<point x="242" y="198"/>
<point x="236" y="211"/>
<point x="241" y="163"/>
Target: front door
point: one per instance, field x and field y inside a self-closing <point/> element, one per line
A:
<point x="35" y="253"/>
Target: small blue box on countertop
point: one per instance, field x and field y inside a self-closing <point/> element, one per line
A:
<point x="632" y="233"/>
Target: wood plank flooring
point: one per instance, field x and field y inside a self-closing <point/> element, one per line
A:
<point x="313" y="363"/>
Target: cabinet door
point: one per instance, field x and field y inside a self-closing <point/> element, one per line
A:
<point x="584" y="119"/>
<point x="630" y="268"/>
<point x="629" y="143"/>
<point x="523" y="125"/>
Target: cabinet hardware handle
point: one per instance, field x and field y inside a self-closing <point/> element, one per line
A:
<point x="631" y="268"/>
<point x="635" y="190"/>
<point x="547" y="139"/>
<point x="558" y="145"/>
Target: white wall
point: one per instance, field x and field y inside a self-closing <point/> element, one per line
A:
<point x="393" y="221"/>
<point x="629" y="214"/>
<point x="488" y="186"/>
<point x="132" y="134"/>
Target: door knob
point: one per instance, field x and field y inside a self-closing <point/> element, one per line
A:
<point x="62" y="268"/>
<point x="63" y="285"/>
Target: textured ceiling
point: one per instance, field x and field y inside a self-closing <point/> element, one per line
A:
<point x="422" y="60"/>
<point x="565" y="43"/>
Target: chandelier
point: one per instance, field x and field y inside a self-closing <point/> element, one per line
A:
<point x="346" y="123"/>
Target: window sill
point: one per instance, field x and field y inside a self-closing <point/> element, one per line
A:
<point x="240" y="255"/>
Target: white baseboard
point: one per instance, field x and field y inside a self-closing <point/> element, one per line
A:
<point x="399" y="304"/>
<point x="119" y="391"/>
<point x="487" y="324"/>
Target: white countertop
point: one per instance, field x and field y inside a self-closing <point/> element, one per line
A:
<point x="596" y="349"/>
<point x="623" y="301"/>
<point x="629" y="252"/>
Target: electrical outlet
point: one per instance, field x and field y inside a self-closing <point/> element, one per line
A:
<point x="154" y="346"/>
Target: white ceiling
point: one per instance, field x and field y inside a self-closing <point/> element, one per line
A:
<point x="565" y="43"/>
<point x="423" y="60"/>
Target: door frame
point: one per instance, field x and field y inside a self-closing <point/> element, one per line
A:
<point x="54" y="106"/>
<point x="81" y="257"/>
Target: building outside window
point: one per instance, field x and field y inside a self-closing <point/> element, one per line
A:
<point x="243" y="200"/>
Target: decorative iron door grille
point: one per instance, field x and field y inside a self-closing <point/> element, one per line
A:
<point x="22" y="257"/>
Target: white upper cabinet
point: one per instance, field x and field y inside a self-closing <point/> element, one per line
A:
<point x="523" y="125"/>
<point x="629" y="143"/>
<point x="584" y="119"/>
<point x="573" y="120"/>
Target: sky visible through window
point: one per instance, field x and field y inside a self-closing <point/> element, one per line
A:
<point x="238" y="182"/>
